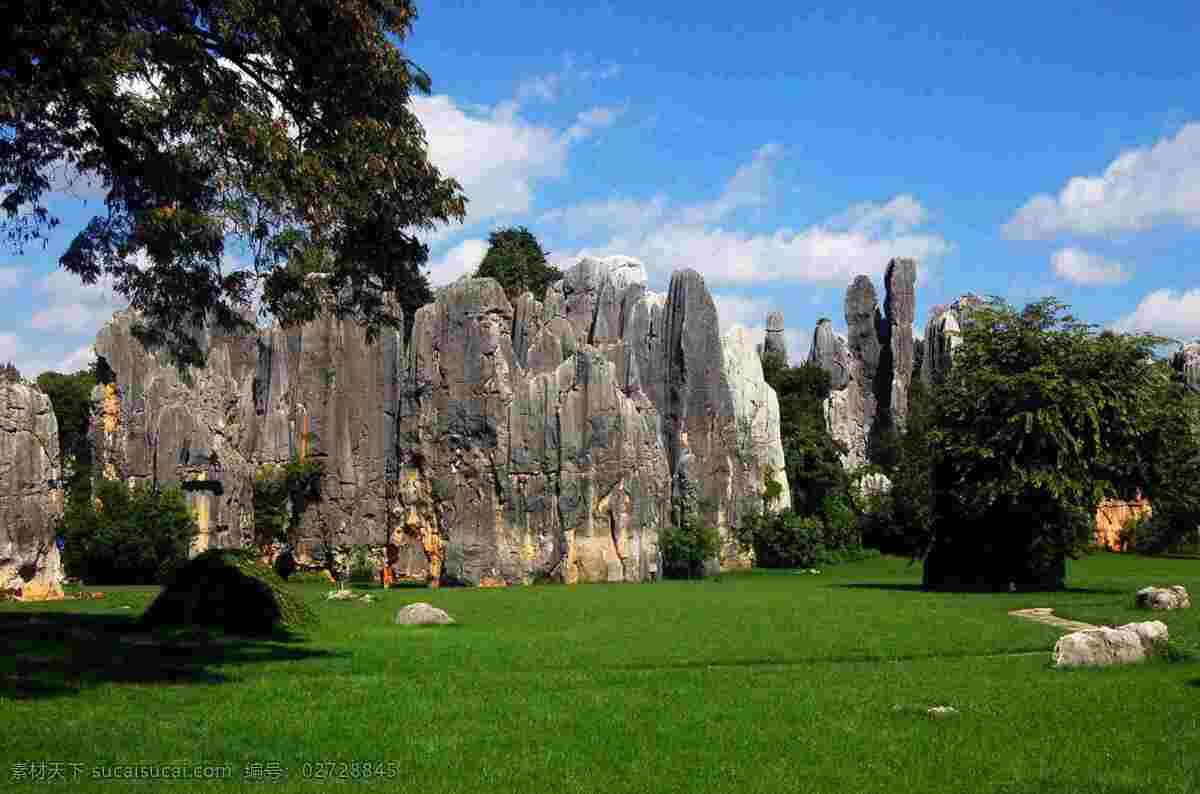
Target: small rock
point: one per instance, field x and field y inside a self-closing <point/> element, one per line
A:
<point x="420" y="614"/>
<point x="368" y="598"/>
<point x="1104" y="646"/>
<point x="340" y="595"/>
<point x="941" y="712"/>
<point x="1174" y="597"/>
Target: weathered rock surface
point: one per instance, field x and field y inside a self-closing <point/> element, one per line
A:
<point x="1174" y="597"/>
<point x="507" y="441"/>
<point x="422" y="614"/>
<point x="1187" y="361"/>
<point x="775" y="344"/>
<point x="1104" y="646"/>
<point x="870" y="371"/>
<point x="315" y="392"/>
<point x="31" y="496"/>
<point x="943" y="333"/>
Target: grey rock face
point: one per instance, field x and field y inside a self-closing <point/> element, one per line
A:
<point x="870" y="371"/>
<point x="422" y="614"/>
<point x="31" y="496"/>
<point x="504" y="443"/>
<point x="775" y="344"/>
<point x="943" y="333"/>
<point x="1175" y="597"/>
<point x="830" y="352"/>
<point x="1104" y="646"/>
<point x="1187" y="361"/>
<point x="315" y="392"/>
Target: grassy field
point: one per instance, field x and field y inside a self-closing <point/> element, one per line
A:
<point x="761" y="681"/>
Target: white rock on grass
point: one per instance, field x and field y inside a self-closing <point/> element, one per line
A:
<point x="1174" y="597"/>
<point x="421" y="614"/>
<point x="1104" y="646"/>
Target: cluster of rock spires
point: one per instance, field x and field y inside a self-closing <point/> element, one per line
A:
<point x="870" y="371"/>
<point x="503" y="442"/>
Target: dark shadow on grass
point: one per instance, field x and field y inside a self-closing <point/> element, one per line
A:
<point x="902" y="587"/>
<point x="854" y="658"/>
<point x="55" y="654"/>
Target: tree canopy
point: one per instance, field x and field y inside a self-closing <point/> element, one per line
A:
<point x="1038" y="420"/>
<point x="285" y="124"/>
<point x="515" y="258"/>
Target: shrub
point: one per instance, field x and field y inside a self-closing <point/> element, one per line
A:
<point x="686" y="548"/>
<point x="1155" y="533"/>
<point x="791" y="540"/>
<point x="228" y="590"/>
<point x="127" y="536"/>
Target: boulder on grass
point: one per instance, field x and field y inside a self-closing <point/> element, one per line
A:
<point x="1104" y="646"/>
<point x="231" y="591"/>
<point x="422" y="614"/>
<point x="1175" y="597"/>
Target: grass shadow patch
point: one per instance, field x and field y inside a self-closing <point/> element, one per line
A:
<point x="57" y="654"/>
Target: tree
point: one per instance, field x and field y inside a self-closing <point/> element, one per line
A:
<point x="515" y="258"/>
<point x="127" y="536"/>
<point x="1037" y="421"/>
<point x="209" y="117"/>
<point x="71" y="396"/>
<point x="811" y="455"/>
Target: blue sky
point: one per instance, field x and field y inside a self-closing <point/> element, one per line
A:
<point x="1019" y="149"/>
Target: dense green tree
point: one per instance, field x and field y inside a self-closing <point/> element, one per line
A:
<point x="71" y="396"/>
<point x="209" y="117"/>
<point x="127" y="536"/>
<point x="515" y="258"/>
<point x="1038" y="420"/>
<point x="811" y="455"/>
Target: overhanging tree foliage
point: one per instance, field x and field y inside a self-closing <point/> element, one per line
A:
<point x="515" y="258"/>
<point x="1039" y="419"/>
<point x="284" y="123"/>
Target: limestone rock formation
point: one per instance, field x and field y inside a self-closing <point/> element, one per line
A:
<point x="775" y="344"/>
<point x="1187" y="362"/>
<point x="1174" y="597"/>
<point x="506" y="442"/>
<point x="869" y="371"/>
<point x="943" y="333"/>
<point x="31" y="495"/>
<point x="1104" y="646"/>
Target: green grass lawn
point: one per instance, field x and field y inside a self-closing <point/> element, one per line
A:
<point x="761" y="681"/>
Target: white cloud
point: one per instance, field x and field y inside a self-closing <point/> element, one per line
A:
<point x="77" y="360"/>
<point x="75" y="307"/>
<point x="1165" y="313"/>
<point x="497" y="158"/>
<point x="548" y="87"/>
<point x="1077" y="265"/>
<point x="621" y="214"/>
<point x="9" y="347"/>
<point x="748" y="187"/>
<point x="1142" y="188"/>
<point x="591" y="120"/>
<point x="859" y="241"/>
<point x="11" y="277"/>
<point x="900" y="215"/>
<point x="459" y="260"/>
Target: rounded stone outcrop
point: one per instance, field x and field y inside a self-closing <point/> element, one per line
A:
<point x="31" y="495"/>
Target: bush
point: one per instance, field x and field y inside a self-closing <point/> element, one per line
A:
<point x="1156" y="533"/>
<point x="686" y="548"/>
<point x="791" y="540"/>
<point x="228" y="590"/>
<point x="134" y="536"/>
